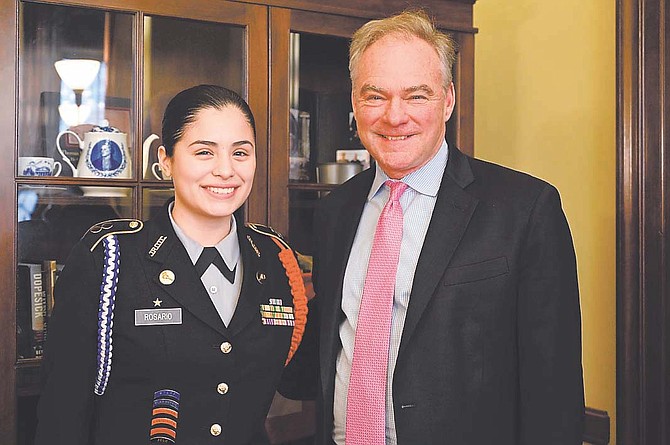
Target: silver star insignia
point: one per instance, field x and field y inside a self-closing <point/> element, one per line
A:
<point x="157" y="302"/>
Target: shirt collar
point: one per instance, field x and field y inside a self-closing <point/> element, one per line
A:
<point x="425" y="180"/>
<point x="228" y="247"/>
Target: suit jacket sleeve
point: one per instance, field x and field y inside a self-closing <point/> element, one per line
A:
<point x="549" y="330"/>
<point x="66" y="404"/>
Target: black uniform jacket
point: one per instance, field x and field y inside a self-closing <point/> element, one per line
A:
<point x="490" y="351"/>
<point x="225" y="377"/>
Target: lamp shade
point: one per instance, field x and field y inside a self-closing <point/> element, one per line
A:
<point x="77" y="74"/>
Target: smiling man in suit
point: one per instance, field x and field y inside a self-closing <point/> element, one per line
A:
<point x="447" y="306"/>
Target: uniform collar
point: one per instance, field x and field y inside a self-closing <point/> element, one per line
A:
<point x="228" y="247"/>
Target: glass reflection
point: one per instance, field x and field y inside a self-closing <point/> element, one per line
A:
<point x="53" y="218"/>
<point x="182" y="53"/>
<point x="75" y="72"/>
<point x="153" y="201"/>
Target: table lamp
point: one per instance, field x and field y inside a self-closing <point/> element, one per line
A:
<point x="78" y="74"/>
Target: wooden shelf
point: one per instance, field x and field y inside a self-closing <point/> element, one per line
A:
<point x="34" y="362"/>
<point x="311" y="186"/>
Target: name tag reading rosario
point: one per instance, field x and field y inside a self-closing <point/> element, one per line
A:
<point x="153" y="317"/>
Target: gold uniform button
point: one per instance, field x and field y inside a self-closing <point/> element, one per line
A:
<point x="222" y="388"/>
<point x="226" y="347"/>
<point x="215" y="429"/>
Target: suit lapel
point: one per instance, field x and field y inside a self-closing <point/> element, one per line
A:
<point x="348" y="214"/>
<point x="186" y="287"/>
<point x="451" y="215"/>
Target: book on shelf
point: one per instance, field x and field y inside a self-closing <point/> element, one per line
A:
<point x="35" y="299"/>
<point x="31" y="299"/>
<point x="50" y="273"/>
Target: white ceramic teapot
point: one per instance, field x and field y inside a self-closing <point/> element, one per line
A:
<point x="104" y="153"/>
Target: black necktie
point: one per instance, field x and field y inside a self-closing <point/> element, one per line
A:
<point x="210" y="255"/>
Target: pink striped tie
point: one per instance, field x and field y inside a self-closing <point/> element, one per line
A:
<point x="366" y="399"/>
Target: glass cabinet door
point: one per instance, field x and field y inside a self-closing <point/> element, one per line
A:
<point x="315" y="145"/>
<point x="75" y="159"/>
<point x="75" y="74"/>
<point x="321" y="126"/>
<point x="181" y="53"/>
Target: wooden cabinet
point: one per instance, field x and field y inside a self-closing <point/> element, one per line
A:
<point x="288" y="58"/>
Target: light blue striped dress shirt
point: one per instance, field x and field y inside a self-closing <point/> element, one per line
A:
<point x="418" y="203"/>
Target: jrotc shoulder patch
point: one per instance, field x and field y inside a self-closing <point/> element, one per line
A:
<point x="100" y="230"/>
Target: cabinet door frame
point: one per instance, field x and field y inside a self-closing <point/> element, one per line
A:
<point x="8" y="91"/>
<point x="643" y="217"/>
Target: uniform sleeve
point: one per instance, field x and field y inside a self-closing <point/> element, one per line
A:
<point x="549" y="330"/>
<point x="300" y="378"/>
<point x="66" y="405"/>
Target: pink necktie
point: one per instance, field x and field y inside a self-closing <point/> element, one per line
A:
<point x="366" y="399"/>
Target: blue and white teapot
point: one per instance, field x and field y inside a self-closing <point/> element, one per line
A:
<point x="104" y="153"/>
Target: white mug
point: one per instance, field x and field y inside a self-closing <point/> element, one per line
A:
<point x="39" y="166"/>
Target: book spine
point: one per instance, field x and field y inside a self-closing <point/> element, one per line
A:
<point x="38" y="306"/>
<point x="49" y="272"/>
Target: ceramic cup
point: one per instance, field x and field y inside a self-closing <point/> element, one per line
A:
<point x="39" y="166"/>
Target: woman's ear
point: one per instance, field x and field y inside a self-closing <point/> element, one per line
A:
<point x="165" y="162"/>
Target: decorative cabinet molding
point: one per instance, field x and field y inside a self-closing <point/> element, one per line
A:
<point x="643" y="217"/>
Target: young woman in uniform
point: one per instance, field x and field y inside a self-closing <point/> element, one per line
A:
<point x="176" y="330"/>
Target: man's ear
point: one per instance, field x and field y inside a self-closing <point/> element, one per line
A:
<point x="449" y="101"/>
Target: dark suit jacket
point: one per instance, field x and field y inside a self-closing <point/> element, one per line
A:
<point x="187" y="357"/>
<point x="491" y="350"/>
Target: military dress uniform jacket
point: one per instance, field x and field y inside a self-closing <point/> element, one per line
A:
<point x="205" y="383"/>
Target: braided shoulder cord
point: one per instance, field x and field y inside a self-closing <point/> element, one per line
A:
<point x="299" y="296"/>
<point x="110" y="278"/>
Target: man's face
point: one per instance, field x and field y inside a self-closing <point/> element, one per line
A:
<point x="400" y="103"/>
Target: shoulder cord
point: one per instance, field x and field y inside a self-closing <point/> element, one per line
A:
<point x="299" y="296"/>
<point x="110" y="278"/>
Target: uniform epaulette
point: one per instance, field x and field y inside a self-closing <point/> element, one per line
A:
<point x="267" y="231"/>
<point x="100" y="230"/>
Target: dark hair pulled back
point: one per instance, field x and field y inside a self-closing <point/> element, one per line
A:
<point x="182" y="109"/>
